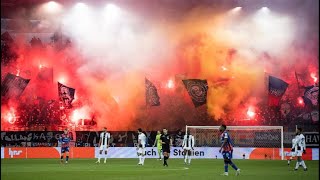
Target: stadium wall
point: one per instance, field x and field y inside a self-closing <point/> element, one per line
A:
<point x="130" y="152"/>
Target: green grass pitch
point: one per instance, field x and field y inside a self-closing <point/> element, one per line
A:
<point x="126" y="169"/>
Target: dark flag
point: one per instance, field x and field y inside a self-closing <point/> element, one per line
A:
<point x="311" y="96"/>
<point x="277" y="88"/>
<point x="46" y="74"/>
<point x="13" y="86"/>
<point x="152" y="97"/>
<point x="6" y="37"/>
<point x="66" y="95"/>
<point x="197" y="90"/>
<point x="300" y="79"/>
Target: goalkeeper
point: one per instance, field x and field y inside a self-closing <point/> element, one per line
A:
<point x="158" y="144"/>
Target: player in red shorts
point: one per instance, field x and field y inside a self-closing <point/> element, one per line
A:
<point x="226" y="150"/>
<point x="65" y="140"/>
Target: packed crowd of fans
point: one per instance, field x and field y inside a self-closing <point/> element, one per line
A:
<point x="48" y="113"/>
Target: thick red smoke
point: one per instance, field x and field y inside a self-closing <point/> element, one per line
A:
<point x="107" y="66"/>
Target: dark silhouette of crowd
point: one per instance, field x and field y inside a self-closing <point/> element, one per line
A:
<point x="49" y="114"/>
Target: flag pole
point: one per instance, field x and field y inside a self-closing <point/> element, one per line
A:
<point x="295" y="73"/>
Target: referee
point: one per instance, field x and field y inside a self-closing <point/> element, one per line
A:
<point x="166" y="142"/>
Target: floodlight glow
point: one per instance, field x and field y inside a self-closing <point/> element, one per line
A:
<point x="81" y="6"/>
<point x="52" y="7"/>
<point x="111" y="11"/>
<point x="236" y="9"/>
<point x="265" y="9"/>
<point x="112" y="8"/>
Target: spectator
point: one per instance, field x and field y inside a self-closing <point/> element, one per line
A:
<point x="178" y="139"/>
<point x="79" y="143"/>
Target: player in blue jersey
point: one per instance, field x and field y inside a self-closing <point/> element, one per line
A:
<point x="226" y="150"/>
<point x="65" y="140"/>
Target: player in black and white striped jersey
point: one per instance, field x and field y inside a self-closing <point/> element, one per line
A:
<point x="104" y="143"/>
<point x="187" y="145"/>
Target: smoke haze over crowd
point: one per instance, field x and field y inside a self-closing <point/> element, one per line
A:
<point x="114" y="47"/>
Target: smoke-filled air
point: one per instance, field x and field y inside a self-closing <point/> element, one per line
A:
<point x="113" y="48"/>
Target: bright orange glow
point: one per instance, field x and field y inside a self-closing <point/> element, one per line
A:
<point x="170" y="84"/>
<point x="82" y="113"/>
<point x="10" y="116"/>
<point x="52" y="7"/>
<point x="300" y="100"/>
<point x="62" y="80"/>
<point x="251" y="113"/>
<point x="314" y="77"/>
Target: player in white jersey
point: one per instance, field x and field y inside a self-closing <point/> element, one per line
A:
<point x="141" y="146"/>
<point x="104" y="143"/>
<point x="299" y="147"/>
<point x="187" y="145"/>
<point x="293" y="153"/>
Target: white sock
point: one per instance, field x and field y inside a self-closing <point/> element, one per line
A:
<point x="297" y="165"/>
<point x="185" y="158"/>
<point x="303" y="164"/>
<point x="140" y="159"/>
<point x="99" y="156"/>
<point x="105" y="157"/>
<point x="189" y="158"/>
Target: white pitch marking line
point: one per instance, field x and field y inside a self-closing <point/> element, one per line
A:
<point x="175" y="169"/>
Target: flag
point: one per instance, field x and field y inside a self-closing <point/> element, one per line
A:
<point x="46" y="74"/>
<point x="152" y="97"/>
<point x="311" y="96"/>
<point x="66" y="95"/>
<point x="197" y="90"/>
<point x="300" y="79"/>
<point x="13" y="86"/>
<point x="315" y="115"/>
<point x="6" y="37"/>
<point x="277" y="87"/>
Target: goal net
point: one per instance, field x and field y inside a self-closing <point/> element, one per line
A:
<point x="249" y="142"/>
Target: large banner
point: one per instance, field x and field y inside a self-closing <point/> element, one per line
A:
<point x="131" y="152"/>
<point x="13" y="86"/>
<point x="277" y="87"/>
<point x="66" y="94"/>
<point x="152" y="97"/>
<point x="197" y="90"/>
<point x="311" y="96"/>
<point x="30" y="139"/>
<point x="129" y="138"/>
